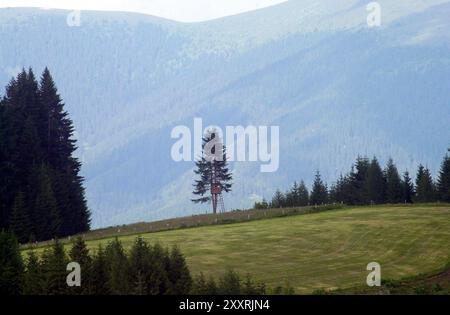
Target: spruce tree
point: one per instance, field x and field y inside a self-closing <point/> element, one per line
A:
<point x="59" y="146"/>
<point x="199" y="285"/>
<point x="229" y="283"/>
<point x="443" y="181"/>
<point x="99" y="274"/>
<point x="394" y="189"/>
<point x="350" y="188"/>
<point x="333" y="193"/>
<point x="19" y="144"/>
<point x="291" y="196"/>
<point x="375" y="183"/>
<point x="119" y="270"/>
<point x="211" y="286"/>
<point x="319" y="193"/>
<point x="11" y="265"/>
<point x="146" y="268"/>
<point x="424" y="185"/>
<point x="408" y="188"/>
<point x="180" y="280"/>
<point x="79" y="253"/>
<point x="337" y="191"/>
<point x="212" y="167"/>
<point x="3" y="169"/>
<point x="160" y="258"/>
<point x="359" y="179"/>
<point x="33" y="277"/>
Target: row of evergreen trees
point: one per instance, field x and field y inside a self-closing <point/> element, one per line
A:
<point x="368" y="183"/>
<point x="144" y="270"/>
<point x="41" y="192"/>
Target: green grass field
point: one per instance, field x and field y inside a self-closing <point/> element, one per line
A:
<point x="322" y="250"/>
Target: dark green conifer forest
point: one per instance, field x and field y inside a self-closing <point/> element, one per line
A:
<point x="41" y="190"/>
<point x="367" y="183"/>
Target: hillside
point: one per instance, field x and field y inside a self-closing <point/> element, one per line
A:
<point x="335" y="87"/>
<point x="323" y="250"/>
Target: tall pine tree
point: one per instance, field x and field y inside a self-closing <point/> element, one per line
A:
<point x="80" y="253"/>
<point x="59" y="147"/>
<point x="212" y="167"/>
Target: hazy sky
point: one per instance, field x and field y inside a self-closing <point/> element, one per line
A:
<point x="181" y="10"/>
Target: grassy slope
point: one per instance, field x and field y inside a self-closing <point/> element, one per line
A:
<point x="323" y="250"/>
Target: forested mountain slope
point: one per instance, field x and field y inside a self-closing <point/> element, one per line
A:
<point x="334" y="86"/>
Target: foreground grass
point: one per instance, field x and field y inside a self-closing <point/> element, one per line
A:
<point x="323" y="250"/>
<point x="423" y="284"/>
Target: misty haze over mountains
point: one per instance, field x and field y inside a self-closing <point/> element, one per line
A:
<point x="334" y="86"/>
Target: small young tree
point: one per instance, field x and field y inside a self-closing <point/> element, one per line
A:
<point x="261" y="204"/>
<point x="203" y="286"/>
<point x="212" y="167"/>
<point x="54" y="264"/>
<point x="250" y="287"/>
<point x="79" y="253"/>
<point x="33" y="275"/>
<point x="147" y="272"/>
<point x="230" y="283"/>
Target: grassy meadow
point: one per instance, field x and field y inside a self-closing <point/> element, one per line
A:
<point x="323" y="250"/>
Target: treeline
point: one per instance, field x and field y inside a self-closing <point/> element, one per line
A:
<point x="144" y="270"/>
<point x="41" y="191"/>
<point x="368" y="183"/>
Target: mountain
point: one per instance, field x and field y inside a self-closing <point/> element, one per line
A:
<point x="336" y="88"/>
